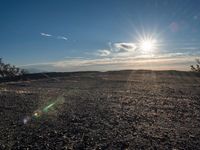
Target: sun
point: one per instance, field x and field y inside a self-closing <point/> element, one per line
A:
<point x="147" y="45"/>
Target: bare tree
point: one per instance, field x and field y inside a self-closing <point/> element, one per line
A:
<point x="1" y="68"/>
<point x="23" y="72"/>
<point x="17" y="71"/>
<point x="7" y="70"/>
<point x="197" y="68"/>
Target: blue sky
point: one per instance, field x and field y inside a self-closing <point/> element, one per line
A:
<point x="72" y="35"/>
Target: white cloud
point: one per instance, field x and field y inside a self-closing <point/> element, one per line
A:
<point x="62" y="38"/>
<point x="54" y="37"/>
<point x="118" y="49"/>
<point x="103" y="53"/>
<point x="45" y="34"/>
<point x="124" y="47"/>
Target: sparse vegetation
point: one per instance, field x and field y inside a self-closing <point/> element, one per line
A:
<point x="197" y="68"/>
<point x="8" y="70"/>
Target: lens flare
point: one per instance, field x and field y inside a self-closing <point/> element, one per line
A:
<point x="48" y="107"/>
<point x="26" y="119"/>
<point x="37" y="113"/>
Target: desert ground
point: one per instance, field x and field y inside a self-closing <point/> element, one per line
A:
<point x="102" y="110"/>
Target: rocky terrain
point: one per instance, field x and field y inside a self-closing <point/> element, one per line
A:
<point x="102" y="110"/>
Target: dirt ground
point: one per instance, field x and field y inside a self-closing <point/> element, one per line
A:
<point x="110" y="110"/>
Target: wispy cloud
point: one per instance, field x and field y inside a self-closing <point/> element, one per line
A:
<point x="124" y="47"/>
<point x="117" y="49"/>
<point x="45" y="34"/>
<point x="54" y="37"/>
<point x="120" y="49"/>
<point x="62" y="38"/>
<point x="167" y="61"/>
<point x="103" y="52"/>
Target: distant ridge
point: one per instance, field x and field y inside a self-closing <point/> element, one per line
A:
<point x="34" y="70"/>
<point x="43" y="75"/>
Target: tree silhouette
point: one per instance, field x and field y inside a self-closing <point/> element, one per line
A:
<point x="197" y="68"/>
<point x="7" y="70"/>
<point x="1" y="68"/>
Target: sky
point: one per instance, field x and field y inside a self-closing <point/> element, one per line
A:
<point x="82" y="35"/>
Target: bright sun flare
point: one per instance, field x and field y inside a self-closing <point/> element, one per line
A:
<point x="147" y="45"/>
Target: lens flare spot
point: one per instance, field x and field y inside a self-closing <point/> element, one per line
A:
<point x="26" y="120"/>
<point x="37" y="114"/>
<point x="48" y="107"/>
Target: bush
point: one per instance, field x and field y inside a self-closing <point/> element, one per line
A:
<point x="197" y="68"/>
<point x="7" y="70"/>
